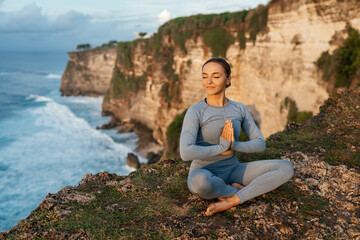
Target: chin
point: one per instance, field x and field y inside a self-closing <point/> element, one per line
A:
<point x="213" y="92"/>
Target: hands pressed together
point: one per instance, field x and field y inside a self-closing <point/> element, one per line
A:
<point x="228" y="134"/>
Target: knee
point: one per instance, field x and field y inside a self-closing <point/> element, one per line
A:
<point x="199" y="183"/>
<point x="287" y="169"/>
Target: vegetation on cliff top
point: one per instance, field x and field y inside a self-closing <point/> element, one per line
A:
<point x="294" y="115"/>
<point x="216" y="29"/>
<point x="343" y="66"/>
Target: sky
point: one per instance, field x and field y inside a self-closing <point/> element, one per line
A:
<point x="60" y="25"/>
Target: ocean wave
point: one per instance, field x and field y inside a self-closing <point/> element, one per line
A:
<point x="53" y="76"/>
<point x="37" y="98"/>
<point x="82" y="99"/>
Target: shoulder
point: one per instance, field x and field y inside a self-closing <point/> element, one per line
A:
<point x="239" y="107"/>
<point x="197" y="109"/>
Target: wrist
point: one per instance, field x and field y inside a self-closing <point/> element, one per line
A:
<point x="225" y="143"/>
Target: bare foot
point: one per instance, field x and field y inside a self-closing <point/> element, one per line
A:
<point x="224" y="204"/>
<point x="237" y="185"/>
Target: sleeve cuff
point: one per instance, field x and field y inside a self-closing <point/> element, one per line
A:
<point x="225" y="143"/>
<point x="232" y="145"/>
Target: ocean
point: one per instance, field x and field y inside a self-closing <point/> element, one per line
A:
<point x="48" y="141"/>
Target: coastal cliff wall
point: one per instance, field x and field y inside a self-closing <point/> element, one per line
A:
<point x="88" y="72"/>
<point x="272" y="50"/>
<point x="272" y="67"/>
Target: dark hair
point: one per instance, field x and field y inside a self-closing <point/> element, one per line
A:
<point x="223" y="63"/>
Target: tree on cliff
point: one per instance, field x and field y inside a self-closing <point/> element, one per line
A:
<point x="112" y="43"/>
<point x="85" y="46"/>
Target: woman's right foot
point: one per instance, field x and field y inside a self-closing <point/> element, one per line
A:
<point x="224" y="204"/>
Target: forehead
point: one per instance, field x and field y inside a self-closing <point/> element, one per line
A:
<point x="212" y="67"/>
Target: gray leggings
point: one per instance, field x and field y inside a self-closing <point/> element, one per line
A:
<point x="258" y="177"/>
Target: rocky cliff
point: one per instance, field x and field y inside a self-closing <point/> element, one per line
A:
<point x="272" y="50"/>
<point x="88" y="72"/>
<point x="321" y="201"/>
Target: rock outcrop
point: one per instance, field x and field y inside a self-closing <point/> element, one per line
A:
<point x="88" y="72"/>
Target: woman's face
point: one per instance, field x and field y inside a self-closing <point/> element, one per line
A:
<point x="214" y="78"/>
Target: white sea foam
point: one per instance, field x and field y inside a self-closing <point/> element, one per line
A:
<point x="53" y="148"/>
<point x="37" y="98"/>
<point x="53" y="76"/>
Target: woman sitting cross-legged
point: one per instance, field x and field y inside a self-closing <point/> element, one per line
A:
<point x="208" y="138"/>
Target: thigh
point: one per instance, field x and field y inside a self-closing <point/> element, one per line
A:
<point x="244" y="173"/>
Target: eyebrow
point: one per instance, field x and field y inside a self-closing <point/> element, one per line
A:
<point x="213" y="73"/>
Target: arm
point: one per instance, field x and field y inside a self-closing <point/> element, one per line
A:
<point x="188" y="148"/>
<point x="256" y="141"/>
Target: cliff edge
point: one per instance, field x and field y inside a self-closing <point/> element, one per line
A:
<point x="321" y="201"/>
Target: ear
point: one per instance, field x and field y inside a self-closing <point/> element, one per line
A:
<point x="228" y="80"/>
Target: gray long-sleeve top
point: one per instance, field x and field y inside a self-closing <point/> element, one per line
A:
<point x="201" y="140"/>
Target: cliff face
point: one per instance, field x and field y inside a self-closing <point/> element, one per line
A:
<point x="266" y="72"/>
<point x="88" y="72"/>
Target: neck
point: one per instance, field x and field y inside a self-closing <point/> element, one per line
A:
<point x="217" y="100"/>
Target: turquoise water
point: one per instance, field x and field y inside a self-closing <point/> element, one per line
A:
<point x="48" y="141"/>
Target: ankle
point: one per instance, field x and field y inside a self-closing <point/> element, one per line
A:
<point x="235" y="200"/>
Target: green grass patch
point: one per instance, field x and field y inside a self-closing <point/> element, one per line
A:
<point x="122" y="85"/>
<point x="181" y="37"/>
<point x="171" y="89"/>
<point x="125" y="53"/>
<point x="173" y="134"/>
<point x="294" y="115"/>
<point x="218" y="40"/>
<point x="258" y="21"/>
<point x="344" y="64"/>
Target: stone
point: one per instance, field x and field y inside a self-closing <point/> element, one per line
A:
<point x="352" y="233"/>
<point x="132" y="161"/>
<point x="153" y="157"/>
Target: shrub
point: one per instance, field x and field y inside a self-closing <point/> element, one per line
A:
<point x="124" y="52"/>
<point x="258" y="22"/>
<point x="294" y="115"/>
<point x="173" y="133"/>
<point x="344" y="64"/>
<point x="218" y="40"/>
<point x="181" y="37"/>
<point x="123" y="84"/>
<point x="242" y="39"/>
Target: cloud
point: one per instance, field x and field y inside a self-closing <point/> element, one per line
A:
<point x="164" y="16"/>
<point x="70" y="20"/>
<point x="30" y="19"/>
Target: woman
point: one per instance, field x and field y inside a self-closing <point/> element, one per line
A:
<point x="209" y="136"/>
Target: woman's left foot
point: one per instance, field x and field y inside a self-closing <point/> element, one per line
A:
<point x="224" y="204"/>
<point x="237" y="185"/>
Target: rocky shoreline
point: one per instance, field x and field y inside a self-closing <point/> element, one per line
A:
<point x="146" y="145"/>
